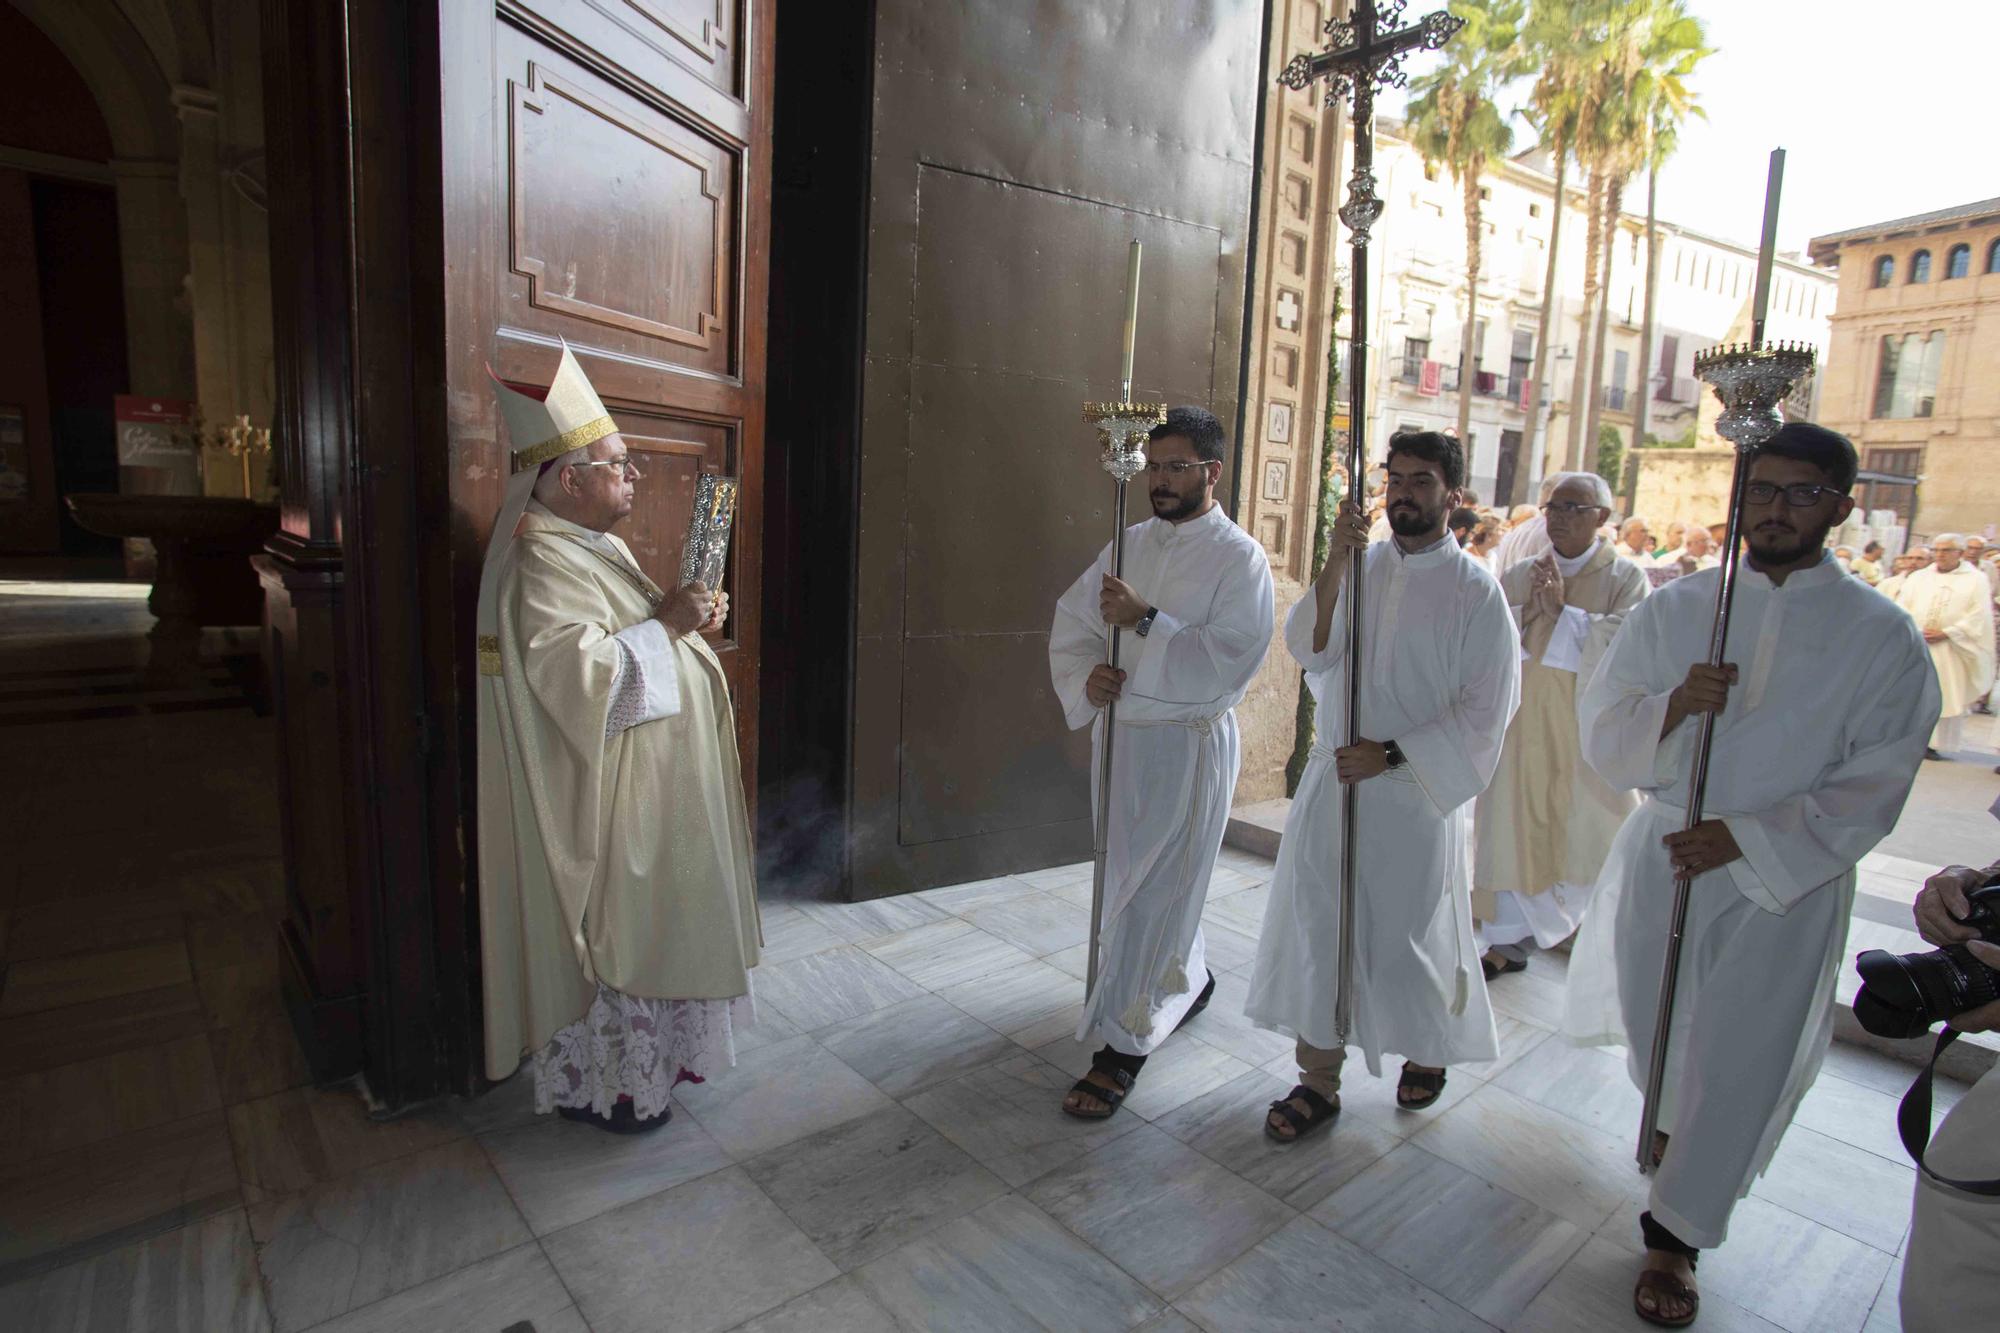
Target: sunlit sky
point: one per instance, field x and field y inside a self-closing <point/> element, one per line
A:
<point x="1884" y="110"/>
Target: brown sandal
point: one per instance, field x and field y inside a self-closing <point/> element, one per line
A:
<point x="1665" y="1287"/>
<point x="1430" y="1083"/>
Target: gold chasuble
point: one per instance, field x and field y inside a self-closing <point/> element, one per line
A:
<point x="607" y="856"/>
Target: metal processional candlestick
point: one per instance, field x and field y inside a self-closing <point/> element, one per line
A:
<point x="1366" y="50"/>
<point x="1751" y="381"/>
<point x="1123" y="428"/>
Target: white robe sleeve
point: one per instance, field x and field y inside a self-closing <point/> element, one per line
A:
<point x="1632" y="590"/>
<point x="1805" y="841"/>
<point x="646" y="685"/>
<point x="1623" y="708"/>
<point x="1187" y="663"/>
<point x="1970" y="630"/>
<point x="1077" y="642"/>
<point x="1454" y="754"/>
<point x="1299" y="623"/>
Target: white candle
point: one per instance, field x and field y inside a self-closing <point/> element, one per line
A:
<point x="1131" y="320"/>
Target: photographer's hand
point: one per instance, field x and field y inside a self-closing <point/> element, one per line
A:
<point x="1986" y="1017"/>
<point x="1941" y="907"/>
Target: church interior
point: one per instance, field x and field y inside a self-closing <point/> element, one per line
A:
<point x="260" y="259"/>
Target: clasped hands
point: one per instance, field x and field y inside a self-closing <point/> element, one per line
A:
<point x="1546" y="587"/>
<point x="693" y="609"/>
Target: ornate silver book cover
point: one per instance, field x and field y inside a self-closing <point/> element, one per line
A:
<point x="707" y="549"/>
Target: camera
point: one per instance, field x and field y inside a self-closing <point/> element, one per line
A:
<point x="1902" y="995"/>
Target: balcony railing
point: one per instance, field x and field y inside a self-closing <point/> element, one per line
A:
<point x="1614" y="397"/>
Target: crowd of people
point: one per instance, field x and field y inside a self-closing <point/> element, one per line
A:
<point x="1529" y="692"/>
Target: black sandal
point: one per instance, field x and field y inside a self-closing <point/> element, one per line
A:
<point x="1120" y="1068"/>
<point x="1663" y="1285"/>
<point x="1432" y="1083"/>
<point x="1200" y="1003"/>
<point x="1320" y="1115"/>
<point x="1501" y="968"/>
<point x="624" y="1118"/>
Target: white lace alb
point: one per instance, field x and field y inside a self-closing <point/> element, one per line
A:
<point x="630" y="1046"/>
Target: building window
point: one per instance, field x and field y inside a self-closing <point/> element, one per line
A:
<point x="1920" y="266"/>
<point x="1958" y="263"/>
<point x="1885" y="271"/>
<point x="1906" y="379"/>
<point x="1534" y="210"/>
<point x="1416" y="351"/>
<point x="1520" y="363"/>
<point x="1882" y="495"/>
<point x="1993" y="256"/>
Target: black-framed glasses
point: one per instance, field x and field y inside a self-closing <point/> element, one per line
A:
<point x="631" y="468"/>
<point x="1566" y="508"/>
<point x="1801" y="496"/>
<point x="1176" y="469"/>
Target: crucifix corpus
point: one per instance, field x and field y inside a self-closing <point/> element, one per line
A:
<point x="1365" y="50"/>
<point x="1122" y="431"/>
<point x="1751" y="381"/>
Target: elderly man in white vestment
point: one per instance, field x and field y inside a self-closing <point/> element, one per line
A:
<point x="1821" y="710"/>
<point x="1952" y="603"/>
<point x="1440" y="676"/>
<point x="1547" y="821"/>
<point x="1196" y="608"/>
<point x="618" y="908"/>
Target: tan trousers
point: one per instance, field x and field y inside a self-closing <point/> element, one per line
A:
<point x="1320" y="1069"/>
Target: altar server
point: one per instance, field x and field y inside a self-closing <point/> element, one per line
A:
<point x="1822" y="710"/>
<point x="618" y="909"/>
<point x="1196" y="607"/>
<point x="1547" y="821"/>
<point x="1952" y="603"/>
<point x="1440" y="676"/>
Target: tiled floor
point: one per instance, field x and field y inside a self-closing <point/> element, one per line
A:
<point x="887" y="1153"/>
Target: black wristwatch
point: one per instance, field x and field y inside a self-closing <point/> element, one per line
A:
<point x="1145" y="624"/>
<point x="1394" y="754"/>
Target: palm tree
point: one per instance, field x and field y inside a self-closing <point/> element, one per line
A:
<point x="1676" y="47"/>
<point x="1453" y="120"/>
<point x="1550" y="43"/>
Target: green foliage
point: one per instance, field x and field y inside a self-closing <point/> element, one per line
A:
<point x="1611" y="457"/>
<point x="1684" y="440"/>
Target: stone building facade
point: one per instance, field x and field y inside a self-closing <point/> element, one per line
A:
<point x="1909" y="374"/>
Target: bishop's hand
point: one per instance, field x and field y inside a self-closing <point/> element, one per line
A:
<point x="688" y="609"/>
<point x="1546" y="588"/>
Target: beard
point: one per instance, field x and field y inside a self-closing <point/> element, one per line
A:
<point x="1772" y="545"/>
<point x="1173" y="508"/>
<point x="1407" y="518"/>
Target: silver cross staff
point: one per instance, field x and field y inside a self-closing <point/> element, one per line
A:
<point x="1122" y="430"/>
<point x="1751" y="381"/>
<point x="1366" y="49"/>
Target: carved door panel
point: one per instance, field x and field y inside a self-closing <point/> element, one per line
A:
<point x="613" y="191"/>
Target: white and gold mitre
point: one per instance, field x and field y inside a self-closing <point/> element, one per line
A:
<point x="547" y="424"/>
<point x="542" y="424"/>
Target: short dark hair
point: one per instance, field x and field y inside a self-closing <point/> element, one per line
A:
<point x="1463" y="519"/>
<point x="1432" y="446"/>
<point x="1196" y="425"/>
<point x="1872" y="548"/>
<point x="1829" y="451"/>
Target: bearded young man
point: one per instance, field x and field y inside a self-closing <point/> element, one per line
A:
<point x="1821" y="714"/>
<point x="1440" y="677"/>
<point x="1196" y="605"/>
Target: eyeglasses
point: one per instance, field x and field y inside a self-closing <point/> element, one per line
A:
<point x="1801" y="496"/>
<point x="1175" y="470"/>
<point x="631" y="468"/>
<point x="1567" y="508"/>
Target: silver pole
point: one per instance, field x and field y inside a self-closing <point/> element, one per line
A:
<point x="1103" y="844"/>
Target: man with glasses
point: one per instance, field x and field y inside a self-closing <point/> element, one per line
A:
<point x="1952" y="603"/>
<point x="1547" y="821"/>
<point x="1196" y="608"/>
<point x="618" y="905"/>
<point x="1439" y="678"/>
<point x="1821" y="712"/>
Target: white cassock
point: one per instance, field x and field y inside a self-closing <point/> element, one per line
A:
<point x="1546" y="823"/>
<point x="1812" y="760"/>
<point x="1529" y="541"/>
<point x="1441" y="678"/>
<point x="1174" y="769"/>
<point x="1961" y="604"/>
<point x="1643" y="559"/>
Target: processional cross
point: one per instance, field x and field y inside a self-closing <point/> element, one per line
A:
<point x="1365" y="50"/>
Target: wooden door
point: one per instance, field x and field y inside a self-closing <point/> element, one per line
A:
<point x="1510" y="465"/>
<point x="606" y="176"/>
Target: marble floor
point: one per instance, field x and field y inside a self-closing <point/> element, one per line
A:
<point x="886" y="1155"/>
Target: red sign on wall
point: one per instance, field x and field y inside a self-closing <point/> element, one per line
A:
<point x="146" y="427"/>
<point x="1527" y="395"/>
<point x="1429" y="378"/>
